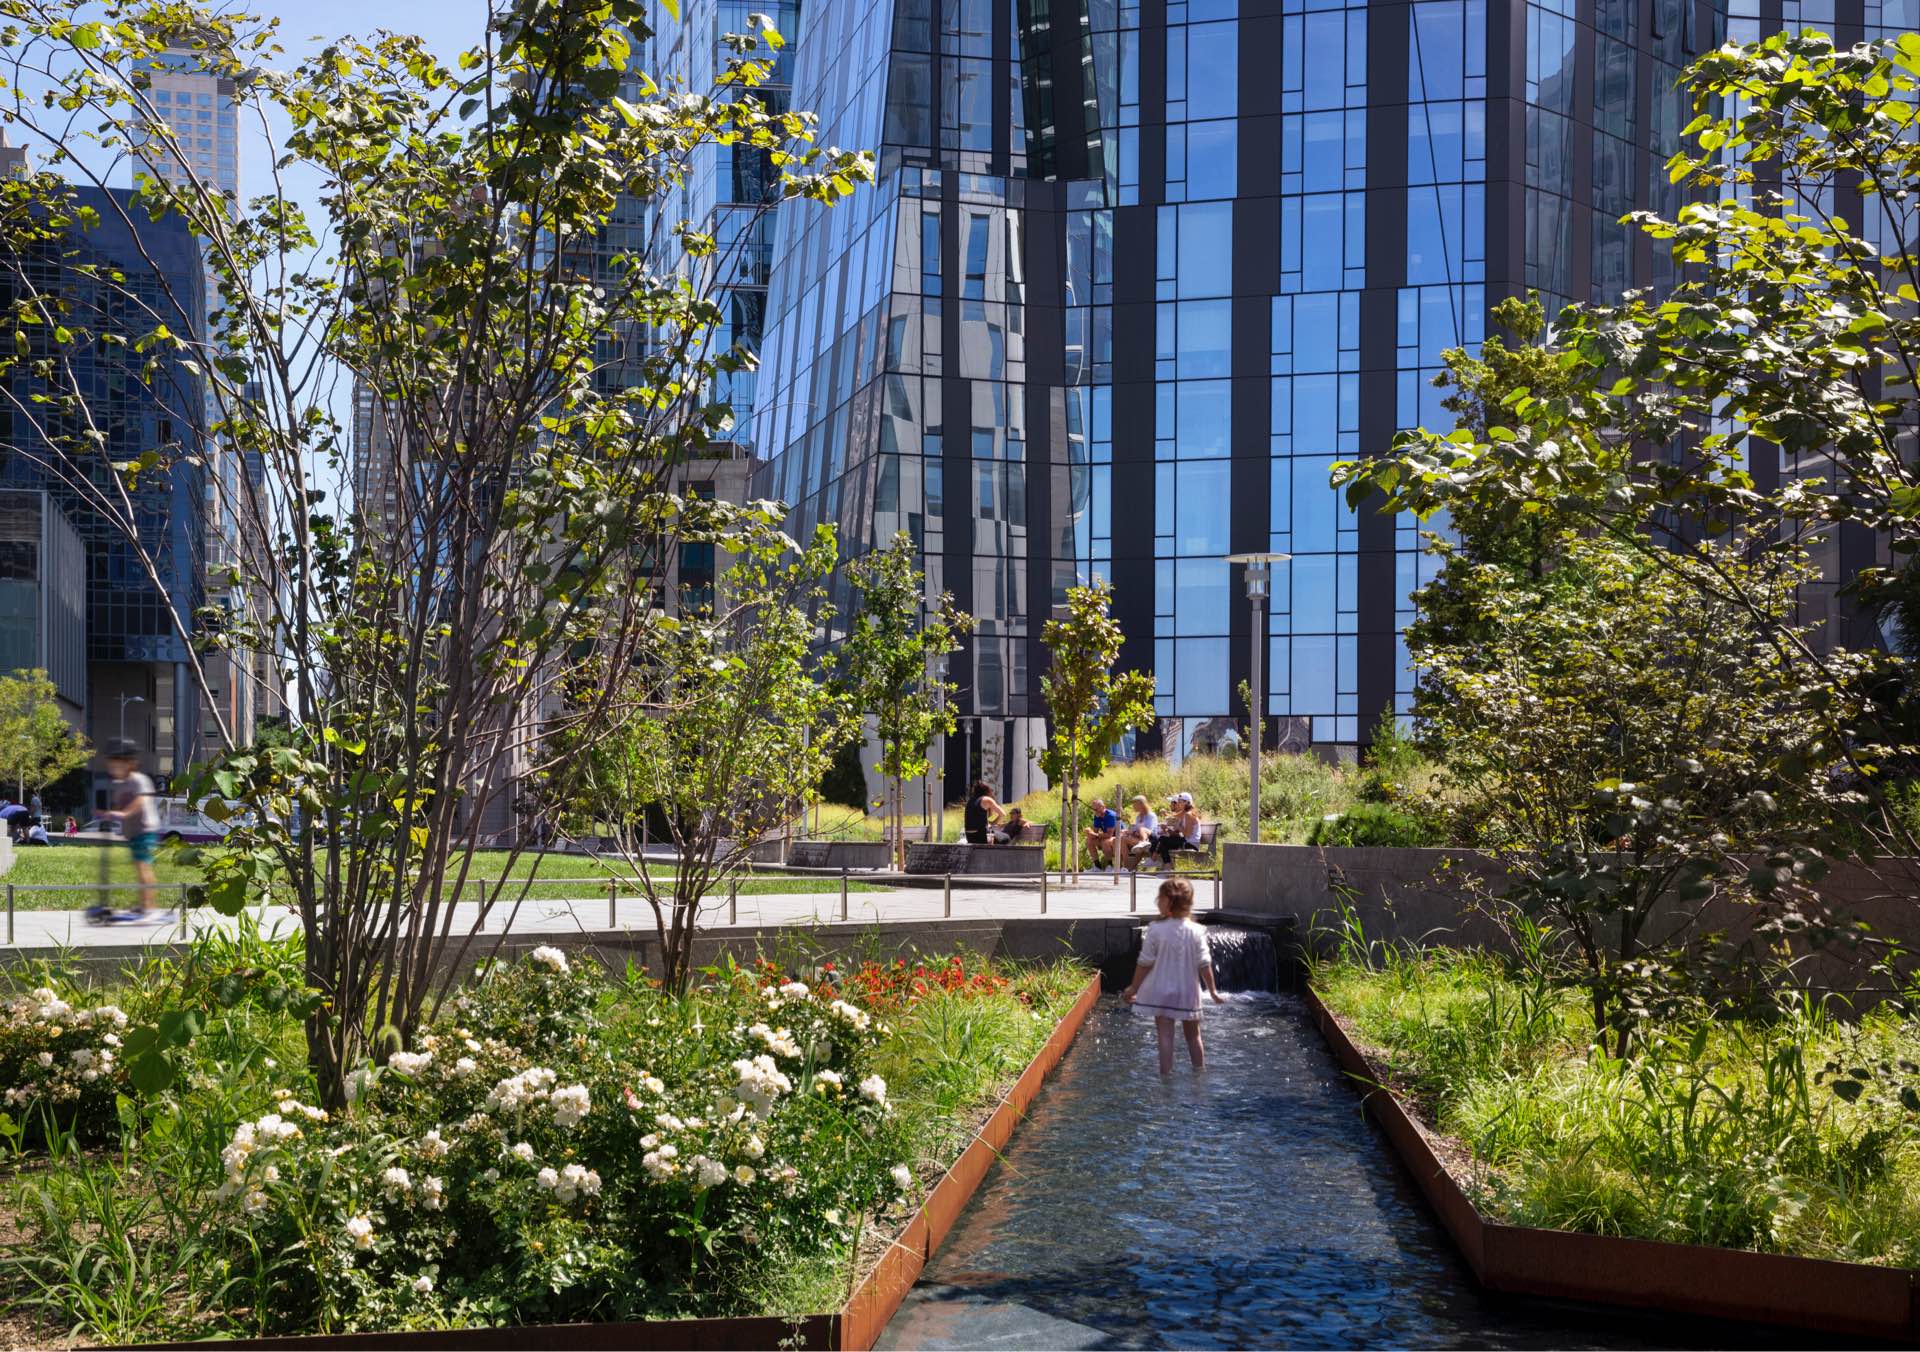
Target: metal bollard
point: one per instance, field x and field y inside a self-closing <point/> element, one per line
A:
<point x="1133" y="891"/>
<point x="733" y="903"/>
<point x="1043" y="893"/>
<point x="948" y="890"/>
<point x="613" y="893"/>
<point x="843" y="894"/>
<point x="9" y="915"/>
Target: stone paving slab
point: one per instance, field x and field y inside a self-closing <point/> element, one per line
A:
<point x="36" y="933"/>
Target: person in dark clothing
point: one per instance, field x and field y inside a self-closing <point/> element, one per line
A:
<point x="980" y="813"/>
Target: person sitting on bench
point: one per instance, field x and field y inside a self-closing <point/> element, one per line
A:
<point x="1010" y="829"/>
<point x="1100" y="835"/>
<point x="1138" y="838"/>
<point x="1180" y="831"/>
<point x="980" y="813"/>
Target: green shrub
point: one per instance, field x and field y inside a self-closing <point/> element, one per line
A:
<point x="845" y="783"/>
<point x="60" y="1063"/>
<point x="1374" y="824"/>
<point x="557" y="1146"/>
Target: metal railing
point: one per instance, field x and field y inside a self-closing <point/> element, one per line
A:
<point x="617" y="890"/>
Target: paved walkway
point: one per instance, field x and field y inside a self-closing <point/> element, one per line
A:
<point x="1094" y="895"/>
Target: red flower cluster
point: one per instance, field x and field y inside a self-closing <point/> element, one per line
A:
<point x="883" y="986"/>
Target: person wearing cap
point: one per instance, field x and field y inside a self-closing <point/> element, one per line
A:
<point x="1179" y="831"/>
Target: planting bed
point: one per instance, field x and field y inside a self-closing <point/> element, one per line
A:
<point x="494" y="1170"/>
<point x="1690" y="1279"/>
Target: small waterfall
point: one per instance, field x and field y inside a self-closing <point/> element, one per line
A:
<point x="1244" y="959"/>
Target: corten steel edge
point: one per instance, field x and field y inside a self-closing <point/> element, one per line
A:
<point x="1687" y="1279"/>
<point x="855" y="1326"/>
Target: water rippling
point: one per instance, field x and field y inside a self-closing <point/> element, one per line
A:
<point x="1248" y="1206"/>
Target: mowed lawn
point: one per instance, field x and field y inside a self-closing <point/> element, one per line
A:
<point x="64" y="877"/>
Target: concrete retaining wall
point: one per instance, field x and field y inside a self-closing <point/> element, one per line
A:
<point x="1107" y="943"/>
<point x="1422" y="896"/>
<point x="1024" y="861"/>
<point x="860" y="854"/>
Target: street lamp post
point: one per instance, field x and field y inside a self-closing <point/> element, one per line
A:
<point x="938" y="818"/>
<point x="125" y="700"/>
<point x="1256" y="565"/>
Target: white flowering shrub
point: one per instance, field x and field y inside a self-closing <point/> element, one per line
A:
<point x="662" y="1160"/>
<point x="61" y="1062"/>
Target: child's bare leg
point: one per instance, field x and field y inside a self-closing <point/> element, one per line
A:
<point x="1199" y="1053"/>
<point x="1163" y="1030"/>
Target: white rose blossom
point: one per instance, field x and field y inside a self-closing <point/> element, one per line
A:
<point x="409" y="1064"/>
<point x="570" y="1105"/>
<point x="360" y="1230"/>
<point x="516" y="1091"/>
<point x="902" y="1177"/>
<point x="874" y="1088"/>
<point x="550" y="958"/>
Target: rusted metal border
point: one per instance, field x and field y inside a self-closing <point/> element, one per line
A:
<point x="1690" y="1279"/>
<point x="865" y="1315"/>
<point x="856" y="1326"/>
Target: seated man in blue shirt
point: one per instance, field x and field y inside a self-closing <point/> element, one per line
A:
<point x="1100" y="836"/>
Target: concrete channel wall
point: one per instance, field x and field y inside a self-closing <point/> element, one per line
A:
<point x="1423" y="896"/>
<point x="1103" y="942"/>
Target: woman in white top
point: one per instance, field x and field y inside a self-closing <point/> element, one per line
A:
<point x="1138" y="838"/>
<point x="1174" y="964"/>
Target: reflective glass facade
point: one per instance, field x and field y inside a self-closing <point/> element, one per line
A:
<point x="1136" y="274"/>
<point x="133" y="641"/>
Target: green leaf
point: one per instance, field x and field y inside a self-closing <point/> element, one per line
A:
<point x="152" y="1073"/>
<point x="179" y="1027"/>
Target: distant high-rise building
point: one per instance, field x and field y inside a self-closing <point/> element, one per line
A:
<point x="43" y="596"/>
<point x="1137" y="272"/>
<point x="138" y="676"/>
<point x="198" y="108"/>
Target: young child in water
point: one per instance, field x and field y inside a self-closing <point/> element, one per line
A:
<point x="1174" y="964"/>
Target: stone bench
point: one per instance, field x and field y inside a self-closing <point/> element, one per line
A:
<point x="960" y="858"/>
<point x="839" y="854"/>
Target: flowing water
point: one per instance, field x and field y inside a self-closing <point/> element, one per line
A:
<point x="1250" y="1205"/>
<point x="1243" y="959"/>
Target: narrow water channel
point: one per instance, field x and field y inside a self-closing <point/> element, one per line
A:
<point x="1251" y="1205"/>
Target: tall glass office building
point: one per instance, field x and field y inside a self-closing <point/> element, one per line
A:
<point x="138" y="677"/>
<point x="1137" y="273"/>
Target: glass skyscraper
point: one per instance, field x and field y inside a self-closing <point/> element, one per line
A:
<point x="1136" y="274"/>
<point x="137" y="662"/>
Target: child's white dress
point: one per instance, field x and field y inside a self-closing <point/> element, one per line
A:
<point x="1178" y="950"/>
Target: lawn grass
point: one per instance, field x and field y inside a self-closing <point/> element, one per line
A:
<point x="1717" y="1131"/>
<point x="73" y="871"/>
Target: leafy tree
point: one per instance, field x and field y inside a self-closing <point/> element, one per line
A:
<point x="725" y="731"/>
<point x="1633" y="749"/>
<point x="37" y="744"/>
<point x="1792" y="340"/>
<point x="887" y="659"/>
<point x="511" y="512"/>
<point x="1090" y="707"/>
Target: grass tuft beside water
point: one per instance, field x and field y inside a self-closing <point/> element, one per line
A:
<point x="1792" y="1133"/>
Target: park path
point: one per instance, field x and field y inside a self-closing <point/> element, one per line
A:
<point x="1094" y="895"/>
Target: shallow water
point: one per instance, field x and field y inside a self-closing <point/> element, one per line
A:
<point x="1251" y="1205"/>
